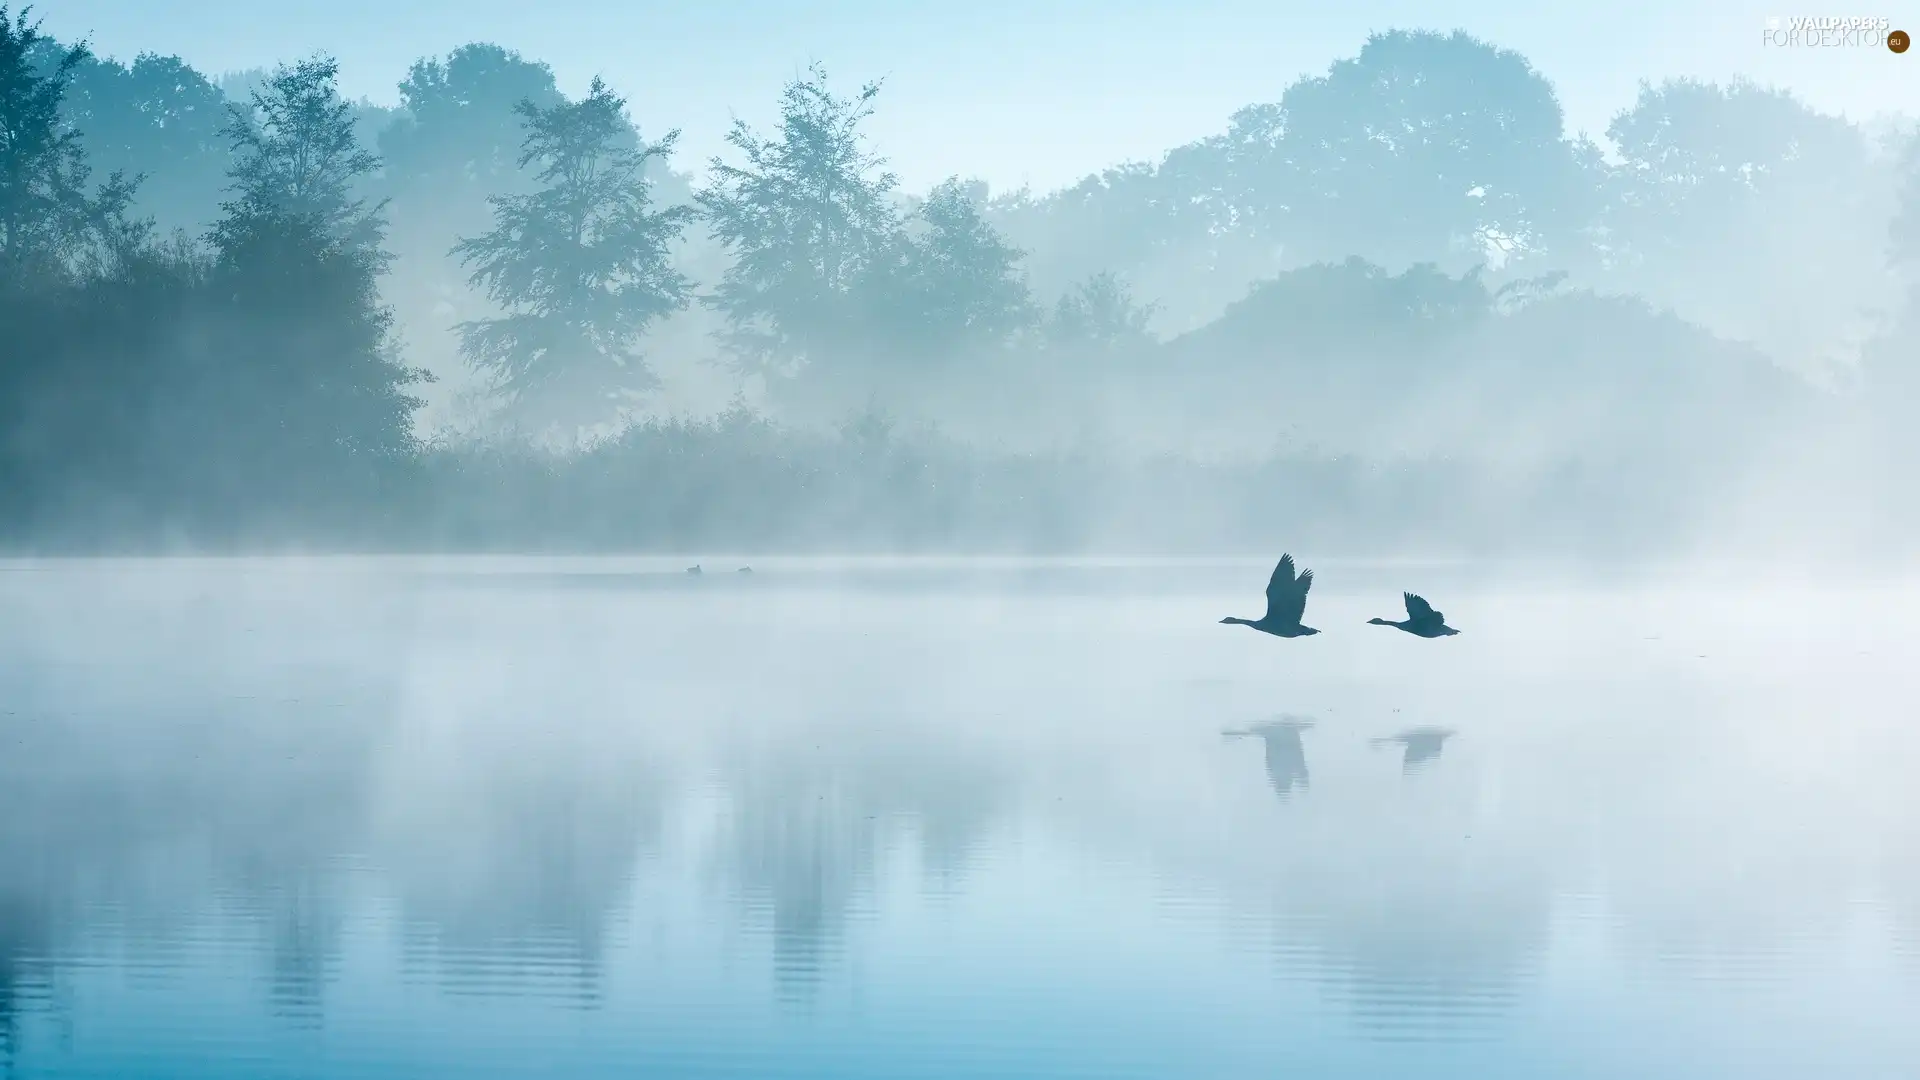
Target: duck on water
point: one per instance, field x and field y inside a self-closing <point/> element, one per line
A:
<point x="1421" y="619"/>
<point x="1286" y="603"/>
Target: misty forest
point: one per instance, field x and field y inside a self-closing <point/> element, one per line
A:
<point x="1398" y="307"/>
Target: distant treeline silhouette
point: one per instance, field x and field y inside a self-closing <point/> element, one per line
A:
<point x="1395" y="309"/>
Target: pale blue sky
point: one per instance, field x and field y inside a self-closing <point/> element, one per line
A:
<point x="1041" y="91"/>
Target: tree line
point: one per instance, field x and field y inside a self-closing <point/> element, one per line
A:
<point x="212" y="306"/>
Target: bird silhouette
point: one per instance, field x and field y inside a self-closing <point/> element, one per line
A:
<point x="1421" y="619"/>
<point x="1286" y="757"/>
<point x="694" y="569"/>
<point x="1286" y="603"/>
<point x="1419" y="745"/>
<point x="744" y="570"/>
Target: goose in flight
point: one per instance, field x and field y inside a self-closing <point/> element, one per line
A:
<point x="1286" y="603"/>
<point x="1421" y="619"/>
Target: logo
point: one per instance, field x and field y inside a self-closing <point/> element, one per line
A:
<point x="1830" y="32"/>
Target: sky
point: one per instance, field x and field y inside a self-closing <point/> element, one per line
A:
<point x="1035" y="92"/>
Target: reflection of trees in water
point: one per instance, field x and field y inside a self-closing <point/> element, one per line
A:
<point x="1416" y="961"/>
<point x="24" y="978"/>
<point x="509" y="881"/>
<point x="1421" y="921"/>
<point x="30" y="838"/>
<point x="300" y="925"/>
<point x="304" y="799"/>
<point x="802" y="857"/>
<point x="512" y="832"/>
<point x="810" y="821"/>
<point x="1900" y="882"/>
<point x="171" y="795"/>
<point x="1412" y="909"/>
<point x="1719" y="847"/>
<point x="1894" y="820"/>
<point x="1733" y="844"/>
<point x="510" y="837"/>
<point x="511" y="822"/>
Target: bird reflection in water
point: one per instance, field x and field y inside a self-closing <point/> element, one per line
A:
<point x="1286" y="758"/>
<point x="1419" y="746"/>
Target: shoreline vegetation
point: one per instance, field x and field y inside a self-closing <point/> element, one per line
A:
<point x="230" y="312"/>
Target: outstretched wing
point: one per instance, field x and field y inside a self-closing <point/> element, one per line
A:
<point x="1418" y="610"/>
<point x="1287" y="593"/>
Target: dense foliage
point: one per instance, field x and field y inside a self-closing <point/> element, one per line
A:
<point x="1399" y="306"/>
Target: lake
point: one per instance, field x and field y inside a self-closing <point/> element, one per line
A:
<point x="951" y="818"/>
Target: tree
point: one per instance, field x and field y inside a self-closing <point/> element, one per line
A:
<point x="805" y="218"/>
<point x="315" y="411"/>
<point x="1889" y="367"/>
<point x="159" y="119"/>
<point x="56" y="240"/>
<point x="1239" y="181"/>
<point x="953" y="288"/>
<point x="454" y="142"/>
<point x="1331" y="321"/>
<point x="1425" y="147"/>
<point x="297" y="155"/>
<point x="48" y="219"/>
<point x="1099" y="314"/>
<point x="297" y="359"/>
<point x="1130" y="216"/>
<point x="582" y="266"/>
<point x="457" y="137"/>
<point x="1707" y="213"/>
<point x="461" y="129"/>
<point x="1904" y="247"/>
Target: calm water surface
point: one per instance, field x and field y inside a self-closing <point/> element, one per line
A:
<point x="965" y="819"/>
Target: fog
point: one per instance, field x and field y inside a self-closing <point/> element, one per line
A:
<point x="591" y="812"/>
<point x="486" y="591"/>
<point x="1398" y="308"/>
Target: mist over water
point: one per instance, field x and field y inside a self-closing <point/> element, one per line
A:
<point x="507" y="766"/>
<point x="949" y="818"/>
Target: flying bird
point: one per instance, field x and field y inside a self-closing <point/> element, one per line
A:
<point x="1286" y="603"/>
<point x="1421" y="619"/>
